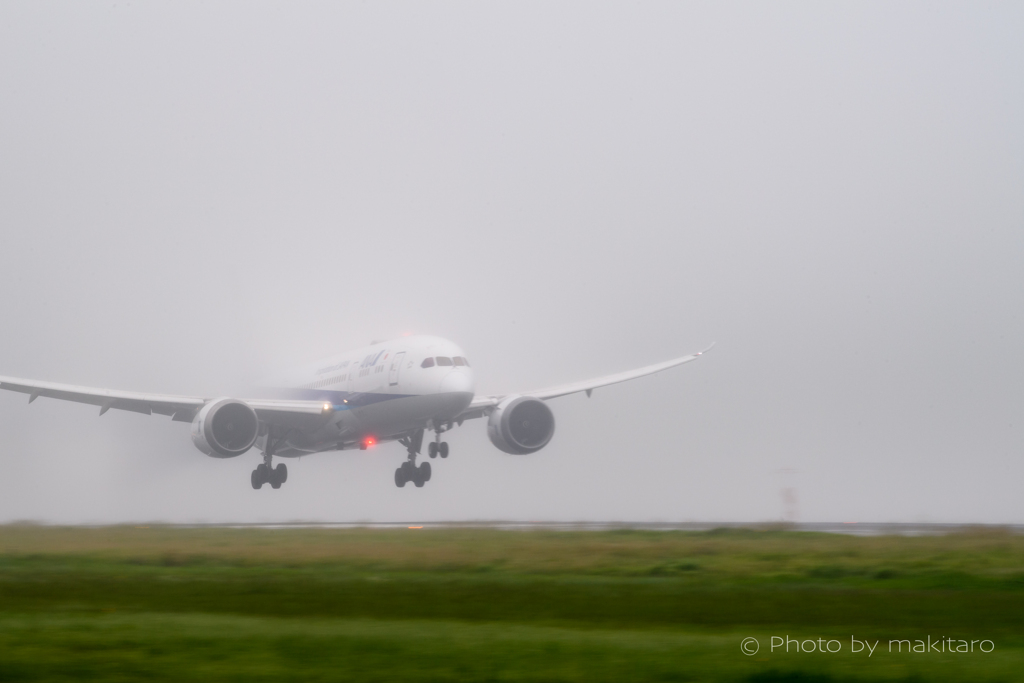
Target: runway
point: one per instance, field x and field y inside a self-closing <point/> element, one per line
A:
<point x="847" y="528"/>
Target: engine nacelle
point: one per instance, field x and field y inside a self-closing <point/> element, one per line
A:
<point x="225" y="428"/>
<point x="521" y="425"/>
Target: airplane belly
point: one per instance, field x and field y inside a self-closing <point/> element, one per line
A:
<point x="400" y="415"/>
<point x="386" y="419"/>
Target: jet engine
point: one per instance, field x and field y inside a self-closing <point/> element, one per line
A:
<point x="225" y="428"/>
<point x="521" y="425"/>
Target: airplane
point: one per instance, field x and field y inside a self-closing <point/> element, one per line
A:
<point x="395" y="390"/>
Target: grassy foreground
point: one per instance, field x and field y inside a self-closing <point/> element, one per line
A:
<point x="161" y="603"/>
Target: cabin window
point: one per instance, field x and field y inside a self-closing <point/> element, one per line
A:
<point x="427" y="363"/>
<point x="459" y="360"/>
<point x="444" y="360"/>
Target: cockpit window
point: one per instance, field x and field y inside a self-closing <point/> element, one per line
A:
<point x="459" y="360"/>
<point x="444" y="360"/>
<point x="427" y="363"/>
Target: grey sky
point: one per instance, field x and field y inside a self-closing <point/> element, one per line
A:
<point x="194" y="194"/>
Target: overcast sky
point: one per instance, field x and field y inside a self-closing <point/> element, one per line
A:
<point x="194" y="194"/>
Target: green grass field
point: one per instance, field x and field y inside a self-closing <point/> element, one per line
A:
<point x="162" y="603"/>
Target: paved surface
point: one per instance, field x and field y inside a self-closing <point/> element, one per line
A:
<point x="852" y="528"/>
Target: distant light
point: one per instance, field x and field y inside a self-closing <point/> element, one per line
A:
<point x="407" y="334"/>
<point x="415" y="527"/>
<point x="344" y="400"/>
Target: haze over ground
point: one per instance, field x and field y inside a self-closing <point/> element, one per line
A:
<point x="194" y="194"/>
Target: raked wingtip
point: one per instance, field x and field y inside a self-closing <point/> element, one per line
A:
<point x="701" y="353"/>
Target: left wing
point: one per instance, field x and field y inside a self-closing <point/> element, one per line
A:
<point x="180" y="408"/>
<point x="482" y="405"/>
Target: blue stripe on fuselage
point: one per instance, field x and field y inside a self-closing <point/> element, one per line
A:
<point x="340" y="400"/>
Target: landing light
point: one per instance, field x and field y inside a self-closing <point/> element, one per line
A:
<point x="327" y="407"/>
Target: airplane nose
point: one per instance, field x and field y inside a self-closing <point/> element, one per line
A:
<point x="457" y="382"/>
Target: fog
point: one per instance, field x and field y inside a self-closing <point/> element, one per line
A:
<point x="194" y="194"/>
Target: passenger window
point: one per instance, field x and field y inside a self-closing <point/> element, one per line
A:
<point x="443" y="360"/>
<point x="427" y="363"/>
<point x="459" y="360"/>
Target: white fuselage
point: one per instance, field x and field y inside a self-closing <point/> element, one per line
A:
<point x="377" y="393"/>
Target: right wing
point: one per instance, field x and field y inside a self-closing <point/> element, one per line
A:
<point x="180" y="408"/>
<point x="482" y="405"/>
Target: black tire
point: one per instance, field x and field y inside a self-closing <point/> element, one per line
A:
<point x="281" y="473"/>
<point x="399" y="478"/>
<point x="432" y="449"/>
<point x="424" y="472"/>
<point x="257" y="480"/>
<point x="443" y="449"/>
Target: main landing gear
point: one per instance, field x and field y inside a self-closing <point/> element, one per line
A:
<point x="265" y="473"/>
<point x="413" y="442"/>
<point x="408" y="471"/>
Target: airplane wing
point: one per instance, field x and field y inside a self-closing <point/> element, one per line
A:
<point x="184" y="408"/>
<point x="180" y="408"/>
<point x="482" y="405"/>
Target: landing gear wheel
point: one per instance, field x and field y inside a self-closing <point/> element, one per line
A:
<point x="260" y="476"/>
<point x="405" y="474"/>
<point x="443" y="449"/>
<point x="432" y="449"/>
<point x="281" y="472"/>
<point x="424" y="471"/>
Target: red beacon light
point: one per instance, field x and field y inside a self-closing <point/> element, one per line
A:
<point x="367" y="442"/>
